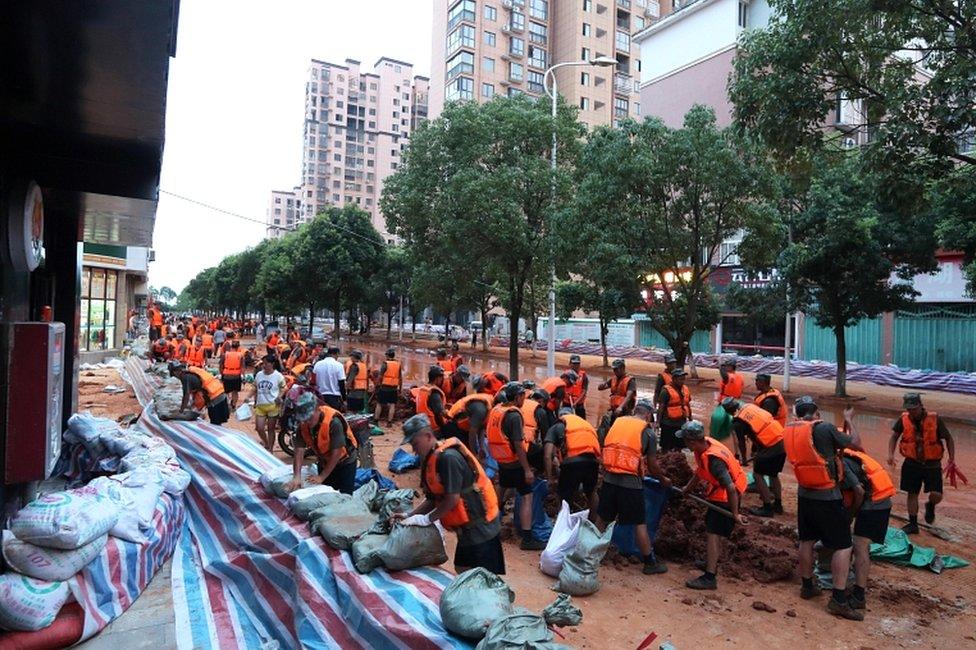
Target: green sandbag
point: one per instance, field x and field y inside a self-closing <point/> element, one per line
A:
<point x="340" y="524"/>
<point x="562" y="613"/>
<point x="366" y="552"/>
<point x="518" y="632"/>
<point x="409" y="547"/>
<point x="475" y="600"/>
<point x="898" y="549"/>
<point x="721" y="425"/>
<point x="580" y="573"/>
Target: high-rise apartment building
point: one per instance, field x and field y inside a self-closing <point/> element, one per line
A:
<point x="357" y="125"/>
<point x="482" y="48"/>
<point x="283" y="212"/>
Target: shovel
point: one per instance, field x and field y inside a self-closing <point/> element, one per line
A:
<point x="707" y="504"/>
<point x="936" y="531"/>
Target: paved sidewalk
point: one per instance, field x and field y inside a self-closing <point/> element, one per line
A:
<point x="149" y="623"/>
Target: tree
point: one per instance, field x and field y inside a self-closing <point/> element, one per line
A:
<point x="198" y="294"/>
<point x="665" y="200"/>
<point x="953" y="208"/>
<point x="851" y="258"/>
<point x="277" y="283"/>
<point x="906" y="67"/>
<point x="477" y="181"/>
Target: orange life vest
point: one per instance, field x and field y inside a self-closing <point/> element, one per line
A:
<point x="456" y="360"/>
<point x="208" y="341"/>
<point x="195" y="356"/>
<point x="715" y="491"/>
<point x="491" y="384"/>
<point x="730" y="388"/>
<point x="293" y="336"/>
<point x="362" y="374"/>
<point x="551" y="386"/>
<point x="157" y="318"/>
<point x="768" y="431"/>
<point x="212" y="386"/>
<point x="184" y="353"/>
<point x="458" y="411"/>
<point x="809" y="467"/>
<point x="447" y="365"/>
<point x="273" y="340"/>
<point x="391" y="378"/>
<point x="881" y="486"/>
<point x="781" y="413"/>
<point x="666" y="377"/>
<point x="160" y="348"/>
<point x="530" y="426"/>
<point x="174" y="351"/>
<point x="622" y="446"/>
<point x="233" y="364"/>
<point x="580" y="437"/>
<point x="164" y="330"/>
<point x="323" y="436"/>
<point x="931" y="446"/>
<point x="619" y="389"/>
<point x="453" y="392"/>
<point x="423" y="397"/>
<point x="679" y="404"/>
<point x="498" y="444"/>
<point x="574" y="393"/>
<point x="466" y="512"/>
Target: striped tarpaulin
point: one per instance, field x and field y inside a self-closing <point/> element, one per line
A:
<point x="250" y="573"/>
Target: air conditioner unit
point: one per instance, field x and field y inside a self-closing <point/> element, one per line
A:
<point x="653" y="9"/>
<point x="508" y="4"/>
<point x="506" y="29"/>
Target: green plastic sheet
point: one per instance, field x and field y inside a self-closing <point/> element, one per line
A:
<point x="898" y="549"/>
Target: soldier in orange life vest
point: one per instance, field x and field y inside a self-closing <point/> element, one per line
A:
<point x="623" y="389"/>
<point x="458" y="494"/>
<point x="730" y="382"/>
<point x="431" y="400"/>
<point x="572" y="448"/>
<point x="556" y="387"/>
<point x="357" y="382"/>
<point x="194" y="354"/>
<point x="725" y="483"/>
<point x="576" y="393"/>
<point x="769" y="399"/>
<point x="467" y="419"/>
<point x="922" y="438"/>
<point x="674" y="409"/>
<point x="443" y="361"/>
<point x="867" y="490"/>
<point x="207" y="340"/>
<point x="750" y="421"/>
<point x="231" y="369"/>
<point x="629" y="454"/>
<point x="204" y="389"/>
<point x="510" y="446"/>
<point x="536" y="417"/>
<point x="456" y="359"/>
<point x="455" y="384"/>
<point x="664" y="377"/>
<point x="490" y="383"/>
<point x="390" y="387"/>
<point x="160" y="350"/>
<point x="324" y="430"/>
<point x="814" y="448"/>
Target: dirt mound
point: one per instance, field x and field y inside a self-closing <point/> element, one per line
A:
<point x="900" y="599"/>
<point x="675" y="466"/>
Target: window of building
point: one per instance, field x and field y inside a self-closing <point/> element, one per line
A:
<point x="277" y="199"/>
<point x="623" y="41"/>
<point x="537" y="56"/>
<point x="637" y="108"/>
<point x="337" y="157"/>
<point x="487" y="90"/>
<point x="463" y="36"/>
<point x="620" y="107"/>
<point x="396" y="102"/>
<point x="406" y="96"/>
<point x="538" y="33"/>
<point x="462" y="10"/>
<point x="517" y="46"/>
<point x="514" y="92"/>
<point x="584" y="78"/>
<point x="539" y="9"/>
<point x="461" y="88"/>
<point x="515" y="71"/>
<point x="587" y="5"/>
<point x="743" y="14"/>
<point x="586" y="29"/>
<point x="460" y="63"/>
<point x="518" y="20"/>
<point x="536" y="81"/>
<point x="489" y="38"/>
<point x="490" y="13"/>
<point x="584" y="103"/>
<point x="98" y="303"/>
<point x="372" y="86"/>
<point x="638" y="23"/>
<point x="488" y="64"/>
<point x="585" y="54"/>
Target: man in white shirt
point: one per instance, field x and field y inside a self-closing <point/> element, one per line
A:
<point x="330" y="379"/>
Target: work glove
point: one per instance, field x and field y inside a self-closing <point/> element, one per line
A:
<point x="416" y="520"/>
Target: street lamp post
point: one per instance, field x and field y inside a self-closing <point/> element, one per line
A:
<point x="600" y="61"/>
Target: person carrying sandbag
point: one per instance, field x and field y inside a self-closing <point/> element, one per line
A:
<point x="458" y="494"/>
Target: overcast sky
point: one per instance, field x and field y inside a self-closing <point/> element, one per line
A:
<point x="236" y="104"/>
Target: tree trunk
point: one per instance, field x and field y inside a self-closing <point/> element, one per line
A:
<point x="337" y="317"/>
<point x="389" y="321"/>
<point x="311" y="318"/>
<point x="514" y="316"/>
<point x="484" y="329"/>
<point x="603" y="340"/>
<point x="840" y="386"/>
<point x="447" y="328"/>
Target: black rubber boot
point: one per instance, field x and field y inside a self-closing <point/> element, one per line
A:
<point x="929" y="512"/>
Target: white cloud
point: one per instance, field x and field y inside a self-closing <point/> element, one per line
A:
<point x="235" y="108"/>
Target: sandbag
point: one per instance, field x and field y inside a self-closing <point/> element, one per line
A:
<point x="721" y="424"/>
<point x="366" y="552"/>
<point x="175" y="478"/>
<point x="562" y="541"/>
<point x="86" y="429"/>
<point x="120" y="441"/>
<point x="562" y="613"/>
<point x="274" y="481"/>
<point x="580" y="573"/>
<point x="49" y="563"/>
<point x="137" y="494"/>
<point x="65" y="520"/>
<point x="475" y="600"/>
<point x="151" y="451"/>
<point x="27" y="604"/>
<point x="340" y="524"/>
<point x="409" y="547"/>
<point x="303" y="501"/>
<point x="390" y="502"/>
<point x="541" y="522"/>
<point x="403" y="461"/>
<point x="521" y="631"/>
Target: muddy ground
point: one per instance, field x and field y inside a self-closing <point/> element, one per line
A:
<point x="757" y="603"/>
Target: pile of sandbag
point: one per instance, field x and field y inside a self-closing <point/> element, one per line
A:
<point x="167" y="401"/>
<point x="478" y="605"/>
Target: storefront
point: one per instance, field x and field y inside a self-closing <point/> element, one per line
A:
<point x="113" y="289"/>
